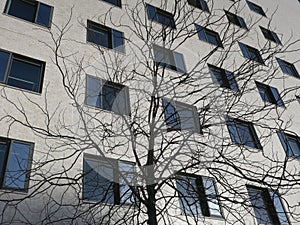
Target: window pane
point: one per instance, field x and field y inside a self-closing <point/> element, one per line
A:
<point x="172" y="116"/>
<point x="265" y="95"/>
<point x="114" y="2"/>
<point x="245" y="135"/>
<point x="16" y="172"/>
<point x="99" y="36"/>
<point x="187" y="118"/>
<point x="294" y="146"/>
<point x="212" y="200"/>
<point x="93" y="91"/>
<point x="165" y="19"/>
<point x="188" y="197"/>
<point x="22" y="9"/>
<point x="127" y="170"/>
<point x="110" y="94"/>
<point x="98" y="181"/>
<point x="4" y="57"/>
<point x="25" y="75"/>
<point x="164" y="57"/>
<point x="211" y="38"/>
<point x="44" y="15"/>
<point x="3" y="155"/>
<point x="118" y="41"/>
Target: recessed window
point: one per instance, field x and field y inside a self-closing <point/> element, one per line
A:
<point x="223" y="77"/>
<point x="243" y="133"/>
<point x="107" y="95"/>
<point x="269" y="94"/>
<point x="267" y="206"/>
<point x="32" y="11"/>
<point x="270" y="35"/>
<point x="288" y="68"/>
<point x="169" y="59"/>
<point x="181" y="116"/>
<point x="15" y="157"/>
<point x="21" y="72"/>
<point x="108" y="180"/>
<point x="237" y="20"/>
<point x="114" y="2"/>
<point x="105" y="36"/>
<point x="209" y="36"/>
<point x="251" y="53"/>
<point x="197" y="195"/>
<point x="256" y="8"/>
<point x="290" y="143"/>
<point x="163" y="17"/>
<point x="200" y="4"/>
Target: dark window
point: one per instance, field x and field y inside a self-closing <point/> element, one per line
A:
<point x="290" y="143"/>
<point x="169" y="59"/>
<point x="114" y="2"/>
<point x="243" y="133"/>
<point x="108" y="180"/>
<point x="267" y="206"/>
<point x="251" y="53"/>
<point x="223" y="77"/>
<point x="197" y="195"/>
<point x="269" y="94"/>
<point x="209" y="36"/>
<point x="288" y="68"/>
<point x="163" y="17"/>
<point x="32" y="11"/>
<point x="14" y="164"/>
<point x="256" y="8"/>
<point x="200" y="4"/>
<point x="181" y="116"/>
<point x="107" y="95"/>
<point x="270" y="35"/>
<point x="20" y="71"/>
<point x="237" y="20"/>
<point x="105" y="36"/>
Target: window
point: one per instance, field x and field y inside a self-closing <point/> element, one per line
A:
<point x="290" y="143"/>
<point x="163" y="17"/>
<point x="197" y="195"/>
<point x="107" y="95"/>
<point x="114" y="2"/>
<point x="21" y="72"/>
<point x="251" y="53"/>
<point x="237" y="20"/>
<point x="200" y="4"/>
<point x="269" y="94"/>
<point x="107" y="180"/>
<point x="288" y="68"/>
<point x="169" y="59"/>
<point x="15" y="157"/>
<point x="243" y="133"/>
<point x="29" y="10"/>
<point x="267" y="206"/>
<point x="272" y="36"/>
<point x="209" y="36"/>
<point x="223" y="77"/>
<point x="105" y="36"/>
<point x="181" y="116"/>
<point x="256" y="8"/>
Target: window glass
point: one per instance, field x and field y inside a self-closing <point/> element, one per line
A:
<point x="44" y="15"/>
<point x="98" y="36"/>
<point x="114" y="2"/>
<point x="17" y="165"/>
<point x="211" y="193"/>
<point x="245" y="135"/>
<point x="4" y="58"/>
<point x="294" y="145"/>
<point x="93" y="91"/>
<point x="22" y="9"/>
<point x="127" y="171"/>
<point x="3" y="155"/>
<point x="172" y="116"/>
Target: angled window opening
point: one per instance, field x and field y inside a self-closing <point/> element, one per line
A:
<point x="269" y="94"/>
<point x="161" y="16"/>
<point x="181" y="116"/>
<point x="243" y="133"/>
<point x="251" y="53"/>
<point x="29" y="10"/>
<point x="256" y="8"/>
<point x="288" y="68"/>
<point x="209" y="36"/>
<point x="107" y="95"/>
<point x="200" y="4"/>
<point x="270" y="35"/>
<point x="236" y="20"/>
<point x="197" y="195"/>
<point x="114" y="2"/>
<point x="223" y="77"/>
<point x="105" y="36"/>
<point x="290" y="143"/>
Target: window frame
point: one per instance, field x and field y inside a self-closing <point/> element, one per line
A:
<point x="248" y="51"/>
<point x="256" y="8"/>
<point x="118" y="4"/>
<point x="178" y="126"/>
<point x="235" y="134"/>
<point x="237" y="20"/>
<point x="203" y="198"/>
<point x="111" y="35"/>
<point x="284" y="140"/>
<point x="271" y="93"/>
<point x="30" y="61"/>
<point x="205" y="33"/>
<point x="114" y="164"/>
<point x="9" y="144"/>
<point x="284" y="65"/>
<point x="268" y="197"/>
<point x="270" y="35"/>
<point x="153" y="12"/>
<point x="111" y="84"/>
<point x="36" y="4"/>
<point x="200" y="4"/>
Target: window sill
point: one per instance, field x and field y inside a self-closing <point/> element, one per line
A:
<point x="106" y="111"/>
